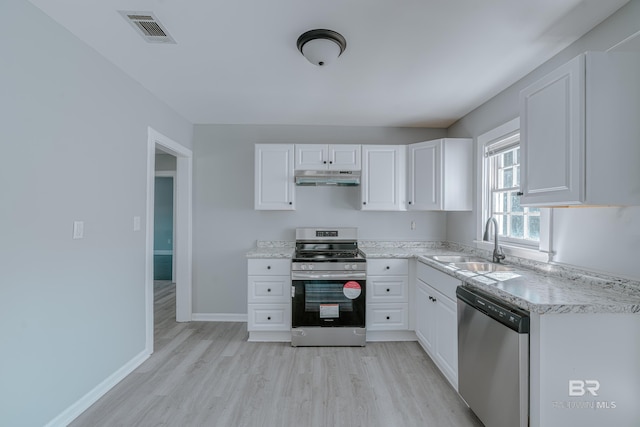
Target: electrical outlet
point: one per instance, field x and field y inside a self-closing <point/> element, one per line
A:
<point x="413" y="225"/>
<point x="136" y="223"/>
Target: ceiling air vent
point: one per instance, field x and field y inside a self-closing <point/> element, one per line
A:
<point x="148" y="26"/>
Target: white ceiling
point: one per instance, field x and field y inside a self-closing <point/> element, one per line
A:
<point x="422" y="63"/>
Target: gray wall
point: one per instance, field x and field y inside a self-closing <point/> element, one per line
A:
<point x="226" y="226"/>
<point x="601" y="239"/>
<point x="73" y="130"/>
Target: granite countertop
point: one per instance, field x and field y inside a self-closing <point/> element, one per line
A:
<point x="272" y="249"/>
<point x="537" y="287"/>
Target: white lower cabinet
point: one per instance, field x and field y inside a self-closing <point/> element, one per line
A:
<point x="387" y="295"/>
<point x="269" y="297"/>
<point x="437" y="319"/>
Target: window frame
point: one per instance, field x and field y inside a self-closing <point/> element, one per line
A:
<point x="541" y="250"/>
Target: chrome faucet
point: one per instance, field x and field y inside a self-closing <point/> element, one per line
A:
<point x="498" y="255"/>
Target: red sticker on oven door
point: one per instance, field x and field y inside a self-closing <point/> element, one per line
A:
<point x="351" y="289"/>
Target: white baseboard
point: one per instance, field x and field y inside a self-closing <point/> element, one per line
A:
<point x="269" y="336"/>
<point x="219" y="317"/>
<point x="73" y="411"/>
<point x="381" y="336"/>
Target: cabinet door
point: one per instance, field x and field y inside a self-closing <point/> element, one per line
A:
<point x="383" y="177"/>
<point x="552" y="140"/>
<point x="274" y="180"/>
<point x="425" y="316"/>
<point x="425" y="176"/>
<point x="388" y="317"/>
<point x="387" y="289"/>
<point x="446" y="346"/>
<point x="311" y="157"/>
<point x="346" y="157"/>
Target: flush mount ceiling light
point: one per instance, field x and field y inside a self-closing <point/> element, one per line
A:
<point x="321" y="47"/>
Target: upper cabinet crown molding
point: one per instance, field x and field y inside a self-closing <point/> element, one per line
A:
<point x="343" y="157"/>
<point x="580" y="133"/>
<point x="440" y="175"/>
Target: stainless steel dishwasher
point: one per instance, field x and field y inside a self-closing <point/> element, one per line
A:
<point x="493" y="359"/>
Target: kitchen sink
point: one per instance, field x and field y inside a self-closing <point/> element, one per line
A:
<point x="481" y="267"/>
<point x="456" y="259"/>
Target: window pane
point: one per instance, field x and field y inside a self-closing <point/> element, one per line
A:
<point x="516" y="156"/>
<point x="517" y="226"/>
<point x="508" y="158"/>
<point x="515" y="202"/>
<point x="507" y="178"/>
<point x="534" y="211"/>
<point x="534" y="227"/>
<point x="517" y="183"/>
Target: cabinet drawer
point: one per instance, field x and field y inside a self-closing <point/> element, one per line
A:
<point x="388" y="317"/>
<point x="269" y="289"/>
<point x="269" y="317"/>
<point x="392" y="267"/>
<point x="438" y="280"/>
<point x="387" y="289"/>
<point x="270" y="266"/>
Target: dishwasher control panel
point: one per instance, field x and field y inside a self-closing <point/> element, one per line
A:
<point x="511" y="316"/>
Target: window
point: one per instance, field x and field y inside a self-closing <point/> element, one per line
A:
<point x="516" y="224"/>
<point x="523" y="232"/>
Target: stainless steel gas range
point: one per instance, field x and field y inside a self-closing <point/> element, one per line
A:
<point x="328" y="276"/>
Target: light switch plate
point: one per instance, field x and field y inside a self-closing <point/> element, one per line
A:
<point x="136" y="223"/>
<point x="78" y="229"/>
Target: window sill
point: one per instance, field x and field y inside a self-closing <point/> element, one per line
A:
<point x="517" y="251"/>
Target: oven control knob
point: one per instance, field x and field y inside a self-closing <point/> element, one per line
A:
<point x="310" y="266"/>
<point x="303" y="266"/>
<point x="347" y="266"/>
<point x="354" y="267"/>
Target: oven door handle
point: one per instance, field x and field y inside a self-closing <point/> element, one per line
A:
<point x="341" y="276"/>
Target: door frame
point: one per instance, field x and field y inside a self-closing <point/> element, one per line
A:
<point x="183" y="241"/>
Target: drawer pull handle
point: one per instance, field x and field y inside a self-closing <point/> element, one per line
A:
<point x="388" y="317"/>
<point x="269" y="318"/>
<point x="268" y="289"/>
<point x="268" y="267"/>
<point x="388" y="267"/>
<point x="388" y="290"/>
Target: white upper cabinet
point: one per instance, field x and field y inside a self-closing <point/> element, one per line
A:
<point x="383" y="177"/>
<point x="274" y="180"/>
<point x="580" y="133"/>
<point x="440" y="175"/>
<point x="343" y="157"/>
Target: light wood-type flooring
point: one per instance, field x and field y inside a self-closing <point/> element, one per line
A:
<point x="207" y="374"/>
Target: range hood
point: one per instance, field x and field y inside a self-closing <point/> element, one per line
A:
<point x="342" y="178"/>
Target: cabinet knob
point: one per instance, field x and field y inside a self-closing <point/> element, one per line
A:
<point x="409" y="202"/>
<point x="269" y="318"/>
<point x="388" y="268"/>
<point x="290" y="203"/>
<point x="388" y="290"/>
<point x="268" y="267"/>
<point x="268" y="289"/>
<point x="364" y="203"/>
<point x="388" y="317"/>
<point x="330" y="162"/>
<point x="325" y="162"/>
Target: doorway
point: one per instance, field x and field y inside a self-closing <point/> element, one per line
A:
<point x="182" y="232"/>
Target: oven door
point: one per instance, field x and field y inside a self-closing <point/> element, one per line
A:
<point x="321" y="300"/>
